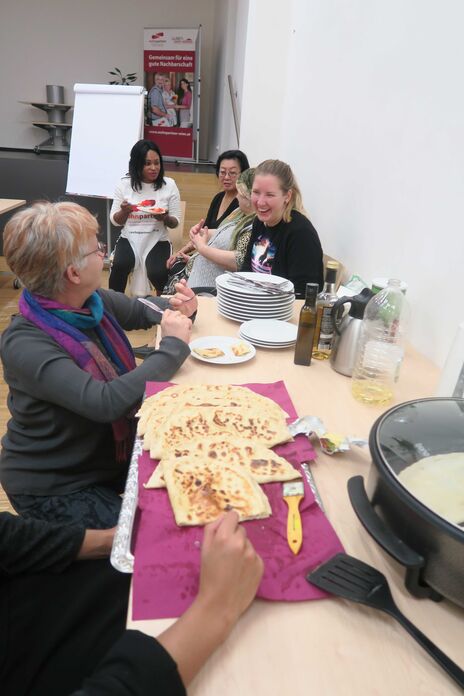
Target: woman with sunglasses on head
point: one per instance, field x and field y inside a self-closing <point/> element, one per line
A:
<point x="143" y="246"/>
<point x="218" y="250"/>
<point x="73" y="383"/>
<point x="283" y="240"/>
<point x="229" y="166"/>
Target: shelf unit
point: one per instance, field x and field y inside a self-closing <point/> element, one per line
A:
<point x="56" y="125"/>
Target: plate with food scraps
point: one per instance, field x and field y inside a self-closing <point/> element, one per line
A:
<point x="222" y="350"/>
<point x="155" y="210"/>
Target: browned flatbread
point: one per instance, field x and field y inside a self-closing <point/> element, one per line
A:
<point x="209" y="353"/>
<point x="156" y="409"/>
<point x="262" y="463"/>
<point x="199" y="492"/>
<point x="241" y="348"/>
<point x="247" y="423"/>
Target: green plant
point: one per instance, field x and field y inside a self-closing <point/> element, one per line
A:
<point x="122" y="79"/>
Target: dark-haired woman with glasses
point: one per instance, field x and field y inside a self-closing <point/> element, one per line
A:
<point x="229" y="166"/>
<point x="73" y="383"/>
<point x="143" y="246"/>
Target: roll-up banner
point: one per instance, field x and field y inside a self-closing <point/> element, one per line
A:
<point x="172" y="79"/>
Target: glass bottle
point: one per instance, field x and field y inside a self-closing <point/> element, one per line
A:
<point x="381" y="346"/>
<point x="325" y="330"/>
<point x="306" y="327"/>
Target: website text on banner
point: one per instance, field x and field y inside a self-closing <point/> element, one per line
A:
<point x="170" y="62"/>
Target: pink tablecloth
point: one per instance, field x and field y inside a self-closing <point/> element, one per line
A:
<point x="167" y="557"/>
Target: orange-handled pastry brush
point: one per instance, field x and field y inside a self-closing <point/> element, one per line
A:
<point x="293" y="493"/>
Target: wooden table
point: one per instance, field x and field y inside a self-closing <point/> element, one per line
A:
<point x="7" y="204"/>
<point x="328" y="647"/>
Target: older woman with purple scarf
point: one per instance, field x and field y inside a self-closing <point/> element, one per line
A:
<point x="73" y="383"/>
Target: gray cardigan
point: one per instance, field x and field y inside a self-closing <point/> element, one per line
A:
<point x="59" y="438"/>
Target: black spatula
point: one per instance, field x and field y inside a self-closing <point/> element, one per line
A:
<point x="350" y="578"/>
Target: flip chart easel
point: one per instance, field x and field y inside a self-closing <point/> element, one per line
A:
<point x="107" y="121"/>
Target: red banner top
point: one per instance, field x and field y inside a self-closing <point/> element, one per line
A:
<point x="175" y="61"/>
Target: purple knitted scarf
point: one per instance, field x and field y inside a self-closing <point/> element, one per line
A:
<point x="61" y="322"/>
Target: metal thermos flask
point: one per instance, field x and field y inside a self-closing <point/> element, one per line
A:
<point x="348" y="331"/>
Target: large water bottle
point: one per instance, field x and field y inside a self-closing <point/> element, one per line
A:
<point x="381" y="346"/>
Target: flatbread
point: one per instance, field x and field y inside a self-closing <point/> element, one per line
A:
<point x="246" y="422"/>
<point x="438" y="482"/>
<point x="157" y="408"/>
<point x="209" y="353"/>
<point x="200" y="492"/>
<point x="241" y="348"/>
<point x="262" y="463"/>
<point x="163" y="401"/>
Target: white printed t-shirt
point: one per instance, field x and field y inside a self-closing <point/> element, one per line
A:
<point x="141" y="229"/>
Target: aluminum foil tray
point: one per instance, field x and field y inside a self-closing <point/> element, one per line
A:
<point x="121" y="556"/>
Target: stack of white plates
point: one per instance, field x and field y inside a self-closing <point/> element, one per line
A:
<point x="269" y="333"/>
<point x="241" y="302"/>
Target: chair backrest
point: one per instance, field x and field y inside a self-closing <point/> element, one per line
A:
<point x="177" y="234"/>
<point x="341" y="269"/>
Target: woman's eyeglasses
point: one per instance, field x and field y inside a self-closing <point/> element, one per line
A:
<point x="101" y="249"/>
<point x="231" y="174"/>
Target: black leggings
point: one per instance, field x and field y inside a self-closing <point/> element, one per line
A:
<point x="124" y="262"/>
<point x="94" y="507"/>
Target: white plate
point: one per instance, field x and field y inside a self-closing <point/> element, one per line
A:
<point x="247" y="314"/>
<point x="254" y="311"/>
<point x="223" y="281"/>
<point x="255" y="342"/>
<point x="242" y="316"/>
<point x="272" y="346"/>
<point x="225" y="343"/>
<point x="270" y="331"/>
<point x="151" y="209"/>
<point x="255" y="301"/>
<point x="264" y="344"/>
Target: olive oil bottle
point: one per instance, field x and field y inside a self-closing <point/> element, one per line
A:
<point x="306" y="327"/>
<point x="325" y="329"/>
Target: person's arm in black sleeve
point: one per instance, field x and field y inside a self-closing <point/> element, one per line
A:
<point x="304" y="258"/>
<point x="33" y="546"/>
<point x="30" y="546"/>
<point x="137" y="665"/>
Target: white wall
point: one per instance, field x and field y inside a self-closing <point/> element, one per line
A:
<point x="365" y="101"/>
<point x="264" y="115"/>
<point x="230" y="42"/>
<point x="63" y="42"/>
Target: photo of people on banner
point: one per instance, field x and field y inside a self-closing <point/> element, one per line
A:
<point x="169" y="99"/>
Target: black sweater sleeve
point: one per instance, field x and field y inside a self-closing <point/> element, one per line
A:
<point x="299" y="255"/>
<point x="32" y="546"/>
<point x="137" y="665"/>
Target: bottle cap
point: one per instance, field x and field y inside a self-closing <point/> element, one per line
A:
<point x="312" y="290"/>
<point x="379" y="284"/>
